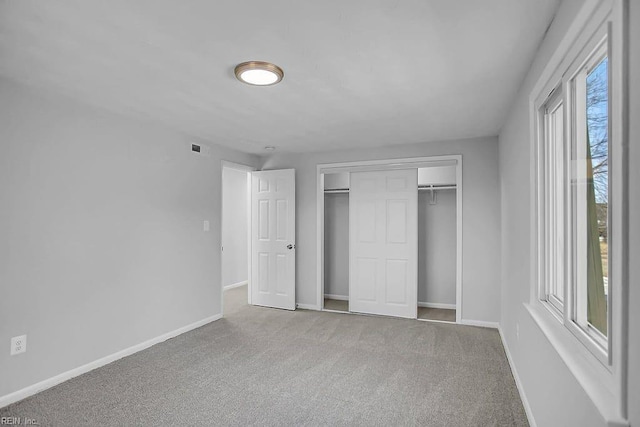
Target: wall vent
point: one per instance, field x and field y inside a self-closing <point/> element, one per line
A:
<point x="199" y="148"/>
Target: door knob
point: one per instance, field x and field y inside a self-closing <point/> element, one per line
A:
<point x="290" y="246"/>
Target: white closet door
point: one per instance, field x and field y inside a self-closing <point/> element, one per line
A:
<point x="273" y="228"/>
<point x="383" y="243"/>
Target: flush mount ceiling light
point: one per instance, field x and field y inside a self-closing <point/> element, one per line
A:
<point x="259" y="73"/>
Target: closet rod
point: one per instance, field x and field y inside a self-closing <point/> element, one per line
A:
<point x="337" y="190"/>
<point x="435" y="188"/>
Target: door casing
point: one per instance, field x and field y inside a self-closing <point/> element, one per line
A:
<point x="386" y="164"/>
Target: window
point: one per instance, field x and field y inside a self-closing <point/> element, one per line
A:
<point x="579" y="224"/>
<point x="574" y="194"/>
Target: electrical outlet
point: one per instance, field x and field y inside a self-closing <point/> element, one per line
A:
<point x="18" y="344"/>
<point x="205" y="225"/>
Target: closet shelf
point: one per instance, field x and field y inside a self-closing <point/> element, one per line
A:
<point x="420" y="188"/>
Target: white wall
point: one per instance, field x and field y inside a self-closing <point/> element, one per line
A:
<point x="235" y="265"/>
<point x="336" y="243"/>
<point x="481" y="216"/>
<point x="437" y="247"/>
<point x="634" y="232"/>
<point x="101" y="223"/>
<point x="634" y="218"/>
<point x="555" y="396"/>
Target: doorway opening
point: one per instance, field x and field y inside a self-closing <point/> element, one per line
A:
<point x="439" y="234"/>
<point x="336" y="242"/>
<point x="437" y="191"/>
<point x="235" y="236"/>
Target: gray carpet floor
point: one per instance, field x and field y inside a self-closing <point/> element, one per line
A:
<point x="261" y="366"/>
<point x="335" y="304"/>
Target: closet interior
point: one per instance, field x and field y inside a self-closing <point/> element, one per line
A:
<point x="336" y="241"/>
<point x="437" y="242"/>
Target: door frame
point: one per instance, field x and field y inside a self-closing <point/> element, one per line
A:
<point x="242" y="168"/>
<point x="388" y="164"/>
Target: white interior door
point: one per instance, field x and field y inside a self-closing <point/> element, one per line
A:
<point x="383" y="242"/>
<point x="273" y="237"/>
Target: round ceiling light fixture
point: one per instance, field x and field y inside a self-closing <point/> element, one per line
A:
<point x="259" y="73"/>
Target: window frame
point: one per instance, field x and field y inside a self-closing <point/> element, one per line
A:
<point x="574" y="82"/>
<point x="555" y="237"/>
<point x="551" y="271"/>
<point x="601" y="374"/>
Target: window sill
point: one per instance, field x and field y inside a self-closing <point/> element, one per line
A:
<point x="596" y="380"/>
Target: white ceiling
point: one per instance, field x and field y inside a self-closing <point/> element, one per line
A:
<point x="358" y="73"/>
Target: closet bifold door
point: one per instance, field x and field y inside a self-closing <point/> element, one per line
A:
<point x="383" y="243"/>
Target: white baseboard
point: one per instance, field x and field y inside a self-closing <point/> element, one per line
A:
<point x="523" y="396"/>
<point x="60" y="378"/>
<point x="236" y="285"/>
<point x="437" y="305"/>
<point x="308" y="307"/>
<point x="481" y="323"/>
<point x="337" y="297"/>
